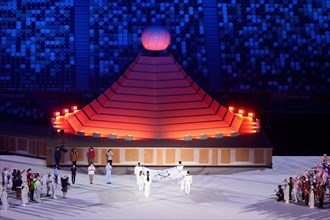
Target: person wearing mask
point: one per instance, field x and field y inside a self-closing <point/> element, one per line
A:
<point x="187" y="179"/>
<point x="74" y="156"/>
<point x="147" y="185"/>
<point x="91" y="155"/>
<point x="109" y="156"/>
<point x="73" y="174"/>
<point x="286" y="191"/>
<point x="181" y="170"/>
<point x="38" y="189"/>
<point x="56" y="173"/>
<point x="32" y="188"/>
<point x="65" y="185"/>
<point x="91" y="172"/>
<point x="4" y="199"/>
<point x="108" y="169"/>
<point x="25" y="193"/>
<point x="279" y="193"/>
<point x="48" y="184"/>
<point x="57" y="157"/>
<point x="54" y="185"/>
<point x="137" y="170"/>
<point x="141" y="181"/>
<point x="296" y="188"/>
<point x="290" y="187"/>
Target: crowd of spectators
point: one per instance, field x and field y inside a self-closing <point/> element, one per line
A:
<point x="23" y="113"/>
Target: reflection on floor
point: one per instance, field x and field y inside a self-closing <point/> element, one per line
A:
<point x="217" y="193"/>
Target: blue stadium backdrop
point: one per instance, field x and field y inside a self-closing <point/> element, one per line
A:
<point x="229" y="45"/>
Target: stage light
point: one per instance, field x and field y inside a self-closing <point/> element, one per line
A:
<point x="203" y="136"/>
<point x="218" y="135"/>
<point x="96" y="134"/>
<point x="128" y="137"/>
<point x="231" y="108"/>
<point x="250" y="114"/>
<point x="233" y="134"/>
<point x="187" y="137"/>
<point x="74" y="108"/>
<point x="65" y="111"/>
<point x="241" y="111"/>
<point x="113" y="136"/>
<point x="81" y="133"/>
<point x="56" y="114"/>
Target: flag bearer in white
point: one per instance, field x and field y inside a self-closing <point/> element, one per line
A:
<point x="137" y="170"/>
<point x="187" y="182"/>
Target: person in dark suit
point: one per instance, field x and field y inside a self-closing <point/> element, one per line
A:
<point x="280" y="193"/>
<point x="57" y="157"/>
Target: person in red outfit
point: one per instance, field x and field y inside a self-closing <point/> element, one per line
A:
<point x="91" y="155"/>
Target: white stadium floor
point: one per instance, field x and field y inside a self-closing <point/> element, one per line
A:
<point x="217" y="193"/>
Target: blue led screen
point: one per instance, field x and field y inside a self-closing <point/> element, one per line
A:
<point x="37" y="51"/>
<point x="257" y="45"/>
<point x="115" y="35"/>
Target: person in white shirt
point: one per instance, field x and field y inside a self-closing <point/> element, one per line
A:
<point x="187" y="183"/>
<point x="4" y="199"/>
<point x="54" y="187"/>
<point x="311" y="202"/>
<point x="109" y="156"/>
<point x="91" y="172"/>
<point x="48" y="184"/>
<point x="147" y="184"/>
<point x="108" y="169"/>
<point x="25" y="193"/>
<point x="38" y="189"/>
<point x="137" y="170"/>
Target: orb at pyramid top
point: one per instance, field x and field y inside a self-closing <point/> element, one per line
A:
<point x="155" y="38"/>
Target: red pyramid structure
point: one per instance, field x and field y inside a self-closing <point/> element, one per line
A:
<point x="155" y="99"/>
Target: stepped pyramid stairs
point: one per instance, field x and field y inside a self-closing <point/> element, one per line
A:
<point x="155" y="99"/>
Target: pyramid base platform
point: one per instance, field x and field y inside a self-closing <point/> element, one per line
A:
<point x="243" y="150"/>
<point x="169" y="156"/>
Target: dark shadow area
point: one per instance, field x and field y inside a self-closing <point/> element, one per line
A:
<point x="297" y="134"/>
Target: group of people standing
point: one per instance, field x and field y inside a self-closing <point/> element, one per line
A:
<point x="108" y="167"/>
<point x="144" y="180"/>
<point x="310" y="187"/>
<point x="30" y="188"/>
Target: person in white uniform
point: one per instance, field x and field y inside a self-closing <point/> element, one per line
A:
<point x="147" y="184"/>
<point x="4" y="199"/>
<point x="137" y="170"/>
<point x="38" y="190"/>
<point x="180" y="169"/>
<point x="54" y="187"/>
<point x="187" y="182"/>
<point x="286" y="191"/>
<point x="25" y="193"/>
<point x="49" y="184"/>
<point x="141" y="181"/>
<point x="311" y="197"/>
<point x="108" y="169"/>
<point x="0" y="190"/>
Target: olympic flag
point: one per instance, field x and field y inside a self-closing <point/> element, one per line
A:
<point x="166" y="174"/>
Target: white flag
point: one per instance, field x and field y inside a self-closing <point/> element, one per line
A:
<point x="167" y="174"/>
